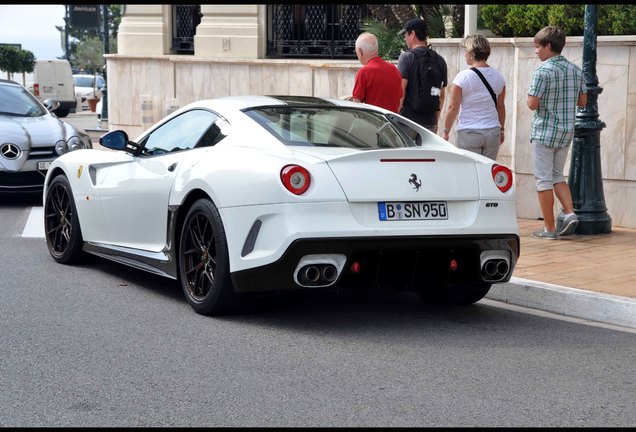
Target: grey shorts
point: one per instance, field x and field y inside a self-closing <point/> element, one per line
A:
<point x="481" y="141"/>
<point x="548" y="165"/>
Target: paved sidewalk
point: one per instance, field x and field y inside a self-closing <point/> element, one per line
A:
<point x="591" y="277"/>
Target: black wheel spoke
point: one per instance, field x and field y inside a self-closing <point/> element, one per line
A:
<point x="58" y="215"/>
<point x="61" y="224"/>
<point x="199" y="255"/>
<point x="204" y="269"/>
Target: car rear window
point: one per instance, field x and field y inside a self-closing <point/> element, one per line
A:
<point x="87" y="81"/>
<point x="330" y="127"/>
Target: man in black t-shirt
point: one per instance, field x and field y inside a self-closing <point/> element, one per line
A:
<point x="415" y="33"/>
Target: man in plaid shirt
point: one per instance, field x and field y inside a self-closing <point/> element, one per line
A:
<point x="557" y="88"/>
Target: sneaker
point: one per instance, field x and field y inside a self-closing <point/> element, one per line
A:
<point x="545" y="234"/>
<point x="559" y="221"/>
<point x="567" y="225"/>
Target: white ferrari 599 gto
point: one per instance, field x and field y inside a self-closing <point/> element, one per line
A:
<point x="267" y="193"/>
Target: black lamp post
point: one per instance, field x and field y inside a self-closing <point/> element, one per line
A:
<point x="585" y="179"/>
<point x="66" y="31"/>
<point x="104" y="89"/>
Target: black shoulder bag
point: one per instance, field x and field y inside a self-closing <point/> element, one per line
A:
<point x="492" y="93"/>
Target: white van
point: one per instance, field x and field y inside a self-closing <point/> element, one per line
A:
<point x="53" y="79"/>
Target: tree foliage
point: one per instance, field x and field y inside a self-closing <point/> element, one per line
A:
<point x="385" y="21"/>
<point x="14" y="60"/>
<point x="82" y="40"/>
<point x="89" y="54"/>
<point x="389" y="43"/>
<point x="519" y="20"/>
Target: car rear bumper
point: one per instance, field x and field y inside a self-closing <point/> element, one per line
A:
<point x="396" y="262"/>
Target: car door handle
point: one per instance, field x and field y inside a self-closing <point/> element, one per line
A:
<point x="172" y="167"/>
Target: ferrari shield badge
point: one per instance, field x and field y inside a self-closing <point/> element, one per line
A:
<point x="79" y="171"/>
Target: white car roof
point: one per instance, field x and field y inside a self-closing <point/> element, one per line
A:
<point x="243" y="102"/>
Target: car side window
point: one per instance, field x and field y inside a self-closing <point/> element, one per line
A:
<point x="183" y="132"/>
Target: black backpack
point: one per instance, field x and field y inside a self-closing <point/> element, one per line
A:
<point x="424" y="75"/>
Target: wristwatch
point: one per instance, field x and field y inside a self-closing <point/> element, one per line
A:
<point x="446" y="130"/>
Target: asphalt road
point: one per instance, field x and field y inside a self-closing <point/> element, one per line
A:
<point x="88" y="121"/>
<point x="105" y="345"/>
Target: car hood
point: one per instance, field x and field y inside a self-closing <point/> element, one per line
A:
<point x="31" y="132"/>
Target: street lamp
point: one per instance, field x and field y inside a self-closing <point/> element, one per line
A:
<point x="66" y="31"/>
<point x="585" y="179"/>
<point x="104" y="89"/>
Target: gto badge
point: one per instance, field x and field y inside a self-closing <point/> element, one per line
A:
<point x="415" y="182"/>
<point x="79" y="171"/>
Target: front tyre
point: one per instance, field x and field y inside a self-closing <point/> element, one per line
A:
<point x="204" y="270"/>
<point x="61" y="223"/>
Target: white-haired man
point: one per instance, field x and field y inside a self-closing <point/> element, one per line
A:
<point x="378" y="82"/>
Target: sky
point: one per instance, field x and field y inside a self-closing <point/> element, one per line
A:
<point x="33" y="26"/>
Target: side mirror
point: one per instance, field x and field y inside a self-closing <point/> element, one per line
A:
<point x="115" y="140"/>
<point x="118" y="140"/>
<point x="51" y="104"/>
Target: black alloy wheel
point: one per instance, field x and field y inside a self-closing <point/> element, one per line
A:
<point x="204" y="270"/>
<point x="61" y="223"/>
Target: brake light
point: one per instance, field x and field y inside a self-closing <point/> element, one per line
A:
<point x="295" y="178"/>
<point x="502" y="177"/>
<point x="36" y="89"/>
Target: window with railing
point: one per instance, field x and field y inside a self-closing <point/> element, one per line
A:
<point x="185" y="19"/>
<point x="313" y="30"/>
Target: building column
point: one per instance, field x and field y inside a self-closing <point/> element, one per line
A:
<point x="228" y="31"/>
<point x="471" y="15"/>
<point x="145" y="29"/>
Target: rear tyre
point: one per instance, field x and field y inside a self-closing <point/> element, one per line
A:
<point x="61" y="223"/>
<point x="457" y="294"/>
<point x="204" y="270"/>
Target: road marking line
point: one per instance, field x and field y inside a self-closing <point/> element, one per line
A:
<point x="35" y="223"/>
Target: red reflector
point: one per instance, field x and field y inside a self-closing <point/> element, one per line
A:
<point x="453" y="265"/>
<point x="355" y="267"/>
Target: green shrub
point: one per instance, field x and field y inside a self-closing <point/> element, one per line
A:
<point x="517" y="20"/>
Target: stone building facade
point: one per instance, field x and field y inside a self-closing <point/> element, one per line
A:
<point x="229" y="59"/>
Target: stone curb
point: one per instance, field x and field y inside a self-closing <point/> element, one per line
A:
<point x="573" y="302"/>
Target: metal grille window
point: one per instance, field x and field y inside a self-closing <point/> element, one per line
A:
<point x="313" y="30"/>
<point x="185" y="19"/>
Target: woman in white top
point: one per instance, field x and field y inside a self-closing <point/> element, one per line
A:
<point x="482" y="115"/>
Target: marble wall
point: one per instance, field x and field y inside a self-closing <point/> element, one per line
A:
<point x="188" y="78"/>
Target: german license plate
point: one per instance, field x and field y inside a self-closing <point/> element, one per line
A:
<point x="44" y="165"/>
<point x="418" y="210"/>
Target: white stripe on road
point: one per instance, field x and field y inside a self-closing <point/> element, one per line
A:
<point x="35" y="223"/>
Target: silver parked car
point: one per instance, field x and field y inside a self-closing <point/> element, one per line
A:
<point x="87" y="87"/>
<point x="31" y="138"/>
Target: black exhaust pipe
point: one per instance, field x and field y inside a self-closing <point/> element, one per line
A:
<point x="316" y="275"/>
<point x="329" y="273"/>
<point x="311" y="273"/>
<point x="495" y="270"/>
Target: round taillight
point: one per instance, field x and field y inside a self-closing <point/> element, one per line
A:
<point x="502" y="177"/>
<point x="295" y="178"/>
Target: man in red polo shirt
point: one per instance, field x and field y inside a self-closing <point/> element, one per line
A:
<point x="378" y="82"/>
